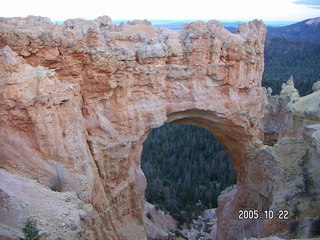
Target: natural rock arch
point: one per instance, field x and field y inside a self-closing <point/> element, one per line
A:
<point x="240" y="144"/>
<point x="108" y="87"/>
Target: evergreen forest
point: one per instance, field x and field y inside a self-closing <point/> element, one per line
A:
<point x="284" y="58"/>
<point x="186" y="169"/>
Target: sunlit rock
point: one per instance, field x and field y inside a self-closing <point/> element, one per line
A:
<point x="83" y="95"/>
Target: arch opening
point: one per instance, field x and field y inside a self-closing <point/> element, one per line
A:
<point x="236" y="135"/>
<point x="186" y="169"/>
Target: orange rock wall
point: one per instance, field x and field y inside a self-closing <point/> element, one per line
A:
<point x="83" y="95"/>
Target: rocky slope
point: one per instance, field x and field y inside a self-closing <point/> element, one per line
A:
<point x="157" y="224"/>
<point x="57" y="214"/>
<point x="204" y="227"/>
<point x="79" y="99"/>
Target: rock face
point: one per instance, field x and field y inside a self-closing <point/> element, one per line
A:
<point x="79" y="99"/>
<point x="85" y="94"/>
<point x="293" y="159"/>
<point x="157" y="224"/>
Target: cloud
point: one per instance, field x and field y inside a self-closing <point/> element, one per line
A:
<point x="313" y="3"/>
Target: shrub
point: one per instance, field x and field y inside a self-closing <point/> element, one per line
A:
<point x="315" y="229"/>
<point x="308" y="181"/>
<point x="179" y="234"/>
<point x="296" y="211"/>
<point x="207" y="228"/>
<point x="30" y="230"/>
<point x="293" y="228"/>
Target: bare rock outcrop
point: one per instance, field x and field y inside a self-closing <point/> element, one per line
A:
<point x="203" y="227"/>
<point x="82" y="97"/>
<point x="293" y="159"/>
<point x="157" y="224"/>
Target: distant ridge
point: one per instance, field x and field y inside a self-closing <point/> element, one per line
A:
<point x="307" y="30"/>
<point x="176" y="24"/>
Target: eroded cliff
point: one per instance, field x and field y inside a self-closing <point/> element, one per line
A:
<point x="78" y="100"/>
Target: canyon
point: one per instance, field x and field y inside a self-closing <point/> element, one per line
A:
<point x="78" y="99"/>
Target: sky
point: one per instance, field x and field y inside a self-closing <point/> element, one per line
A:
<point x="223" y="10"/>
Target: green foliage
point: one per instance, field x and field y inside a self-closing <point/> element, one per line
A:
<point x="315" y="229"/>
<point x="295" y="212"/>
<point x="284" y="58"/>
<point x="30" y="230"/>
<point x="308" y="181"/>
<point x="293" y="228"/>
<point x="179" y="234"/>
<point x="186" y="169"/>
<point x="207" y="228"/>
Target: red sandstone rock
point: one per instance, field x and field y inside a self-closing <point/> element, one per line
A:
<point x="85" y="94"/>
